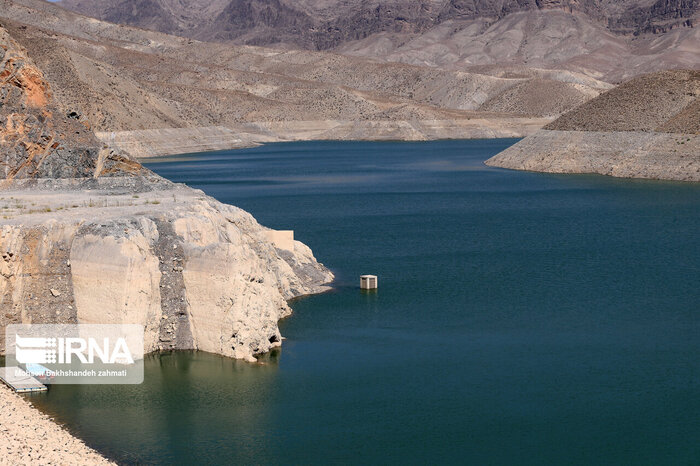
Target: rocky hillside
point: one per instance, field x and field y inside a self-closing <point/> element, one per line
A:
<point x="326" y="24"/>
<point x="664" y="102"/>
<point x="120" y="79"/>
<point x="539" y="38"/>
<point x="648" y="127"/>
<point x="611" y="40"/>
<point x="90" y="236"/>
<point x="39" y="140"/>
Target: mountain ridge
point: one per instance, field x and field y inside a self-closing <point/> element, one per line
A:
<point x="327" y="24"/>
<point x="121" y="79"/>
<point x="609" y="40"/>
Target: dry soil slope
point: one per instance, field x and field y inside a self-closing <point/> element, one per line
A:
<point x="648" y="127"/>
<point x="647" y="103"/>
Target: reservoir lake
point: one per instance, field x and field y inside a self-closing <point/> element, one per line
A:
<point x="521" y="318"/>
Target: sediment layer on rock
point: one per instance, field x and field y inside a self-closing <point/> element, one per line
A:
<point x="198" y="274"/>
<point x="648" y="127"/>
<point x="626" y="154"/>
<point x="169" y="141"/>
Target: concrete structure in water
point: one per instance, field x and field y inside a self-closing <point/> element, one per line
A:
<point x="368" y="282"/>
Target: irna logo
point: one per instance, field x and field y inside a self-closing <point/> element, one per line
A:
<point x="76" y="353"/>
<point x="32" y="350"/>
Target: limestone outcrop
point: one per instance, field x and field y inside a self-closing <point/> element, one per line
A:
<point x="198" y="274"/>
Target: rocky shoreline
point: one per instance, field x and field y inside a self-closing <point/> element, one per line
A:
<point x="622" y="154"/>
<point x="29" y="437"/>
<point x="198" y="274"/>
<point x="172" y="141"/>
<point x="88" y="235"/>
<point x="648" y="127"/>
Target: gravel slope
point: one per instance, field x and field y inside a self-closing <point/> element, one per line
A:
<point x="28" y="437"/>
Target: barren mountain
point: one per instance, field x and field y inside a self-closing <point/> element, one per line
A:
<point x="669" y="104"/>
<point x="648" y="127"/>
<point x="325" y="24"/>
<point x="611" y="40"/>
<point x="544" y="39"/>
<point x="120" y="79"/>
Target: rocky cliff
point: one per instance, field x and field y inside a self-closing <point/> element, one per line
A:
<point x="88" y="235"/>
<point x="648" y="127"/>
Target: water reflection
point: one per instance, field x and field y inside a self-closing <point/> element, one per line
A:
<point x="185" y="400"/>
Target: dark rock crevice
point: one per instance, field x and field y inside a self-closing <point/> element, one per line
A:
<point x="175" y="329"/>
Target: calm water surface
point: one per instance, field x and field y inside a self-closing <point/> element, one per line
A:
<point x="521" y="318"/>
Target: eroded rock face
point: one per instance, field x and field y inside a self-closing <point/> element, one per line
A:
<point x="36" y="139"/>
<point x="325" y="24"/>
<point x="196" y="273"/>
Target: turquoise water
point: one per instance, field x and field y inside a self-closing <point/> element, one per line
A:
<point x="521" y="318"/>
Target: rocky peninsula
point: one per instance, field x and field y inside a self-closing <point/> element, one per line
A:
<point x="648" y="127"/>
<point x="88" y="235"/>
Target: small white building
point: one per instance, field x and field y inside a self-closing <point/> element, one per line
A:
<point x="368" y="282"/>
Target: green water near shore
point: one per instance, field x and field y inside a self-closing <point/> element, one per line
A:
<point x="522" y="318"/>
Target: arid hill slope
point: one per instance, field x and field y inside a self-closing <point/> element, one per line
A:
<point x="325" y="24"/>
<point x="119" y="78"/>
<point x="611" y="40"/>
<point x="648" y="127"/>
<point x="542" y="38"/>
<point x="38" y="139"/>
<point x="665" y="102"/>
